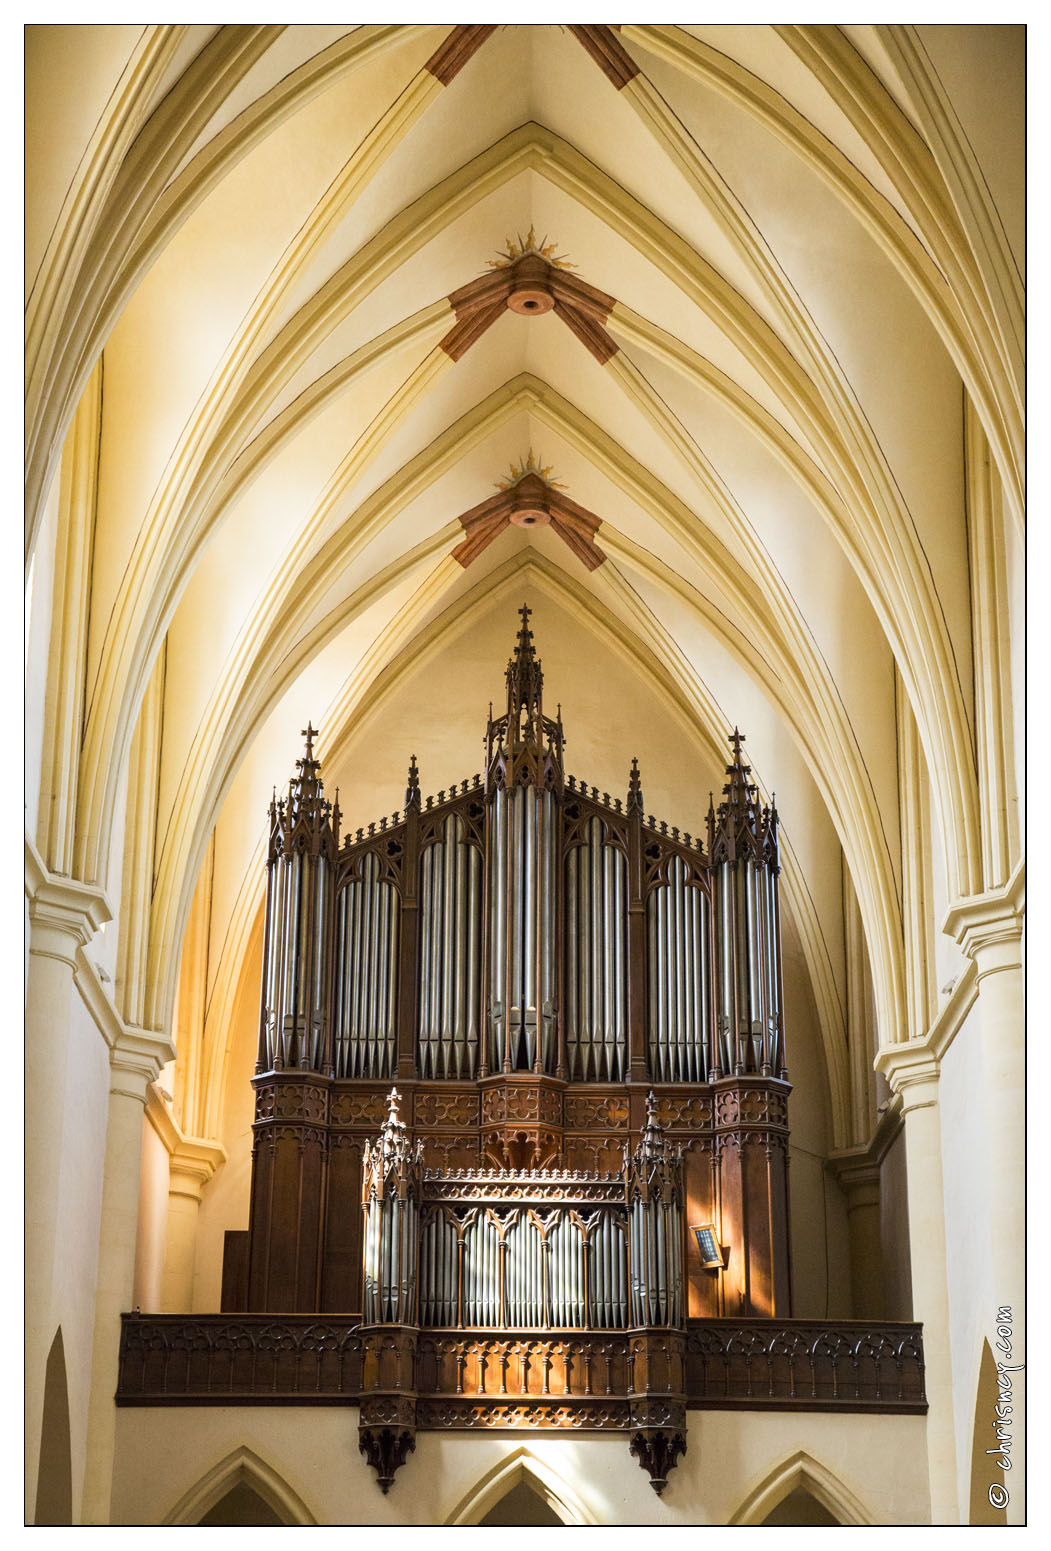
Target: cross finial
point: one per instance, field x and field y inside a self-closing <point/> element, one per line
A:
<point x="635" y="788"/>
<point x="309" y="733"/>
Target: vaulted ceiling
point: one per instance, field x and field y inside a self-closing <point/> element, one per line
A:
<point x="723" y="288"/>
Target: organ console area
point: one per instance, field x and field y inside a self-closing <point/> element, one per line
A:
<point x="516" y="1043"/>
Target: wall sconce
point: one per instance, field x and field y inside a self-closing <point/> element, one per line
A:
<point x="712" y="1256"/>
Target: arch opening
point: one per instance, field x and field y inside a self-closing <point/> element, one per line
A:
<point x="54" y="1489"/>
<point x="522" y="1484"/>
<point x="241" y="1506"/>
<point x="522" y="1505"/>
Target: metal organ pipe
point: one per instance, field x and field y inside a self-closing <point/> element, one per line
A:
<point x="523" y="969"/>
<point x="367" y="955"/>
<point x="596" y="961"/>
<point x="679" y="1010"/>
<point x="450" y="954"/>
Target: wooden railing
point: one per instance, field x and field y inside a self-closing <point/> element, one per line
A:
<point x="472" y="1378"/>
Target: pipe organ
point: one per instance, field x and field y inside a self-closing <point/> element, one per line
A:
<point x="514" y="1042"/>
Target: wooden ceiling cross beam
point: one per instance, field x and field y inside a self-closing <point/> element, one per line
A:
<point x="531" y="502"/>
<point x="530" y="285"/>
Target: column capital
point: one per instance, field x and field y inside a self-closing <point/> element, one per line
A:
<point x="912" y="1070"/>
<point x="989" y="926"/>
<point x="192" y="1165"/>
<point x="192" y="1160"/>
<point x="64" y="914"/>
<point x="136" y="1059"/>
<point x="858" y="1173"/>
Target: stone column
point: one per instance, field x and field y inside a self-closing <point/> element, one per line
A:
<point x="912" y="1071"/>
<point x="63" y="916"/>
<point x="136" y="1059"/>
<point x="191" y="1166"/>
<point x="859" y="1179"/>
<point x="989" y="929"/>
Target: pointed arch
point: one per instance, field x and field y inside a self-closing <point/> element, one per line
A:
<point x="522" y="1467"/>
<point x="987" y="1479"/>
<point x="802" y="1471"/>
<point x="54" y="1482"/>
<point x="240" y="1467"/>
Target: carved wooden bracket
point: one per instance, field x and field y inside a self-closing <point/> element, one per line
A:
<point x="657" y="1453"/>
<point x="386" y="1451"/>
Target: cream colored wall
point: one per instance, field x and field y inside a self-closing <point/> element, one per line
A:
<point x="164" y="1454"/>
<point x="72" y="1214"/>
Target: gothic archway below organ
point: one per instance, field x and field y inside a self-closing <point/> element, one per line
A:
<point x="522" y="1505"/>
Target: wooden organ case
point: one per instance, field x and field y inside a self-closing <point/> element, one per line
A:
<point x="516" y="1044"/>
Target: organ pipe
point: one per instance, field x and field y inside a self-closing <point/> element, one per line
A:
<point x="596" y="961"/>
<point x="744" y="863"/>
<point x="677" y="938"/>
<point x="392" y="1175"/>
<point x="367" y="921"/>
<point x="304" y="836"/>
<point x="450" y="955"/>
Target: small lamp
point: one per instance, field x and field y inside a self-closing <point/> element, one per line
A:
<point x="711" y="1251"/>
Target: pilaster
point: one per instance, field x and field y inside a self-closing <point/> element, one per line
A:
<point x="989" y="929"/>
<point x="912" y="1071"/>
<point x="64" y="916"/>
<point x="136" y="1058"/>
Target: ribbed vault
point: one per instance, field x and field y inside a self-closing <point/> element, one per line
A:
<point x="274" y="344"/>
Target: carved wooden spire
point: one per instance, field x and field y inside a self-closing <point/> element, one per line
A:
<point x="412" y="785"/>
<point x="634" y="788"/>
<point x="524" y="745"/>
<point x="305" y="820"/>
<point x="741" y="826"/>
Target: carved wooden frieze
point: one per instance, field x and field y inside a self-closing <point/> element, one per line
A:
<point x="293" y="1100"/>
<point x="449" y="1415"/>
<point x="351" y="1108"/>
<point x="585" y="1113"/>
<point x="547" y="1185"/>
<point x="508" y="1102"/>
<point x="450" y="1152"/>
<point x="587" y="1153"/>
<point x="434" y="1108"/>
<point x="675" y="1112"/>
<point x="742" y="1105"/>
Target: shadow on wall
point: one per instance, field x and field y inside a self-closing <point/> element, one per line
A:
<point x="241" y="1506"/>
<point x="54" y="1488"/>
<point x="523" y="1506"/>
<point x="984" y="1472"/>
<point x="799" y="1507"/>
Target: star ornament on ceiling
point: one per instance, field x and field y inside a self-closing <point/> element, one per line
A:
<point x="513" y="251"/>
<point x="530" y="498"/>
<point x="529" y="465"/>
